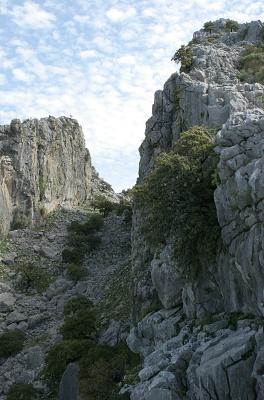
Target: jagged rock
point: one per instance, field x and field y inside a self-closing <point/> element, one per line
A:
<point x="218" y="366"/>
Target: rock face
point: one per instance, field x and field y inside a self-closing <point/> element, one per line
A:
<point x="210" y="94"/>
<point x="191" y="348"/>
<point x="43" y="165"/>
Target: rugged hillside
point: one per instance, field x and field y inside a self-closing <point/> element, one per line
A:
<point x="43" y="165"/>
<point x="205" y="339"/>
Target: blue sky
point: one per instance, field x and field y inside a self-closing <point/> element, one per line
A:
<point x="99" y="61"/>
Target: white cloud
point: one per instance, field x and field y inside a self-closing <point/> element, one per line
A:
<point x="32" y="16"/>
<point x="89" y="54"/>
<point x="2" y="79"/>
<point x="21" y="75"/>
<point x="119" y="15"/>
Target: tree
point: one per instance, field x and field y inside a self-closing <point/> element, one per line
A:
<point x="184" y="56"/>
<point x="232" y="25"/>
<point x="209" y="26"/>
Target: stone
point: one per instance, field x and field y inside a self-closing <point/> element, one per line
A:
<point x="68" y="389"/>
<point x="7" y="302"/>
<point x="9" y="258"/>
<point x="34" y="358"/>
<point x="15" y="316"/>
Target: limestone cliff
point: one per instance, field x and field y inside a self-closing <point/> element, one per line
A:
<point x="205" y="338"/>
<point x="210" y="94"/>
<point x="43" y="165"/>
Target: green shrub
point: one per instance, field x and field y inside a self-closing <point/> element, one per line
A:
<point x="252" y="64"/>
<point x="76" y="304"/>
<point x="94" y="223"/>
<point x="32" y="277"/>
<point x="22" y="391"/>
<point x="73" y="255"/>
<point x="104" y="205"/>
<point x="61" y="354"/>
<point x="102" y="368"/>
<point x="11" y="343"/>
<point x="82" y="238"/>
<point x="184" y="56"/>
<point x="20" y="220"/>
<point x="76" y="272"/>
<point x="80" y="325"/>
<point x="178" y="198"/>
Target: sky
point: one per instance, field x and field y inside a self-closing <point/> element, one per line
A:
<point x="99" y="61"/>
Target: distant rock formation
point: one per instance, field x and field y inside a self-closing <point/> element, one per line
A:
<point x="43" y="165"/>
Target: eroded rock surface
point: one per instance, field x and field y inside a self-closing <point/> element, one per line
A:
<point x="43" y="165"/>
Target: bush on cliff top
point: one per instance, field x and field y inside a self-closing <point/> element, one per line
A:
<point x="178" y="198"/>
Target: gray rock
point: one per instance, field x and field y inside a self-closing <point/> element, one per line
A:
<point x="68" y="389"/>
<point x="62" y="176"/>
<point x="7" y="302"/>
<point x="15" y="316"/>
<point x="34" y="358"/>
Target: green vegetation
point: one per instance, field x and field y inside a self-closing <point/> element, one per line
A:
<point x="184" y="56"/>
<point x="106" y="207"/>
<point x="22" y="391"/>
<point x="178" y="198"/>
<point x="11" y="343"/>
<point x="60" y="355"/>
<point x="76" y="304"/>
<point x="76" y="272"/>
<point x="208" y="26"/>
<point x="231" y="25"/>
<point x="79" y="321"/>
<point x="32" y="277"/>
<point x="102" y="368"/>
<point x="252" y="64"/>
<point x="82" y="238"/>
<point x="42" y="187"/>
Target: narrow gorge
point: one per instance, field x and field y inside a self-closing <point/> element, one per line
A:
<point x="155" y="293"/>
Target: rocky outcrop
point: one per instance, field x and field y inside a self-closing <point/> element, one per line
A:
<point x="210" y="94"/>
<point x="192" y="347"/>
<point x="184" y="360"/>
<point x="43" y="165"/>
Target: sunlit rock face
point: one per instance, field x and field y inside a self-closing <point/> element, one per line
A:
<point x="43" y="165"/>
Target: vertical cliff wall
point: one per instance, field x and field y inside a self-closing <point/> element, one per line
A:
<point x="43" y="165"/>
<point x="212" y="95"/>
